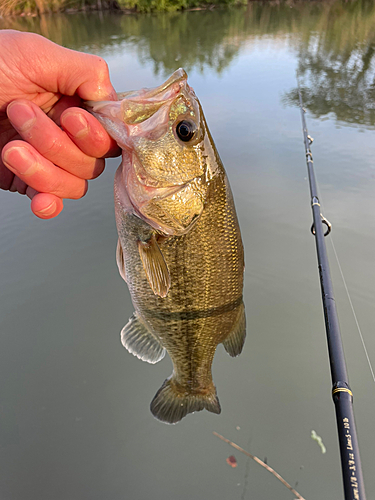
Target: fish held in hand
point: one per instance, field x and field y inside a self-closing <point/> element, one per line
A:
<point x="179" y="248"/>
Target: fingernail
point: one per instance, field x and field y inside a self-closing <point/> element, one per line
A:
<point x="20" y="161"/>
<point x="76" y="124"/>
<point x="49" y="210"/>
<point x="21" y="115"/>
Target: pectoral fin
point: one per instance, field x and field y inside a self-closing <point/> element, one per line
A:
<point x="155" y="266"/>
<point x="141" y="342"/>
<point x="120" y="260"/>
<point x="233" y="344"/>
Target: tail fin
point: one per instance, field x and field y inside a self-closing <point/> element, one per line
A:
<point x="172" y="403"/>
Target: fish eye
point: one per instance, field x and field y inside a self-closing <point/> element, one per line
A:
<point x="186" y="130"/>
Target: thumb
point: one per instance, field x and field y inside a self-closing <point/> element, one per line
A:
<point x="61" y="70"/>
<point x="86" y="75"/>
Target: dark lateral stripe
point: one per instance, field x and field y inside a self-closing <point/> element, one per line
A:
<point x="195" y="313"/>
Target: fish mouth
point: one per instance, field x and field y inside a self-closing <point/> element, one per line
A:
<point x="139" y="113"/>
<point x="161" y="93"/>
<point x="140" y="109"/>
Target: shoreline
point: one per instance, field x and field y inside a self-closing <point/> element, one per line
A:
<point x="114" y="7"/>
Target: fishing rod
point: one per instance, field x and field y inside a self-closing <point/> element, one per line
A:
<point x="342" y="395"/>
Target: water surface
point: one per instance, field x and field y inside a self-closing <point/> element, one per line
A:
<point x="75" y="421"/>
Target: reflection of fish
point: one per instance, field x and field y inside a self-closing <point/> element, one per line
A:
<point x="179" y="248"/>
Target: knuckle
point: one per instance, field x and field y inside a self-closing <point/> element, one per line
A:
<point x="48" y="185"/>
<point x="51" y="149"/>
<point x="85" y="169"/>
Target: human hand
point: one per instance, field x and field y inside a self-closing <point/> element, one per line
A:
<point x="50" y="146"/>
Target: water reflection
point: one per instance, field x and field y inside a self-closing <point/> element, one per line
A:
<point x="336" y="64"/>
<point x="334" y="44"/>
<point x="199" y="39"/>
<point x="206" y="40"/>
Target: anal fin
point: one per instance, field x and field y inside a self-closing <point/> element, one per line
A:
<point x="155" y="266"/>
<point x="233" y="344"/>
<point x="141" y="342"/>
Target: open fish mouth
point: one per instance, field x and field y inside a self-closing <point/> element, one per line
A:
<point x="136" y="106"/>
<point x="145" y="123"/>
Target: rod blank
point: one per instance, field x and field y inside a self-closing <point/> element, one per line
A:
<point x="342" y="395"/>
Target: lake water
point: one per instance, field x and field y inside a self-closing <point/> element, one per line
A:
<point x="75" y="420"/>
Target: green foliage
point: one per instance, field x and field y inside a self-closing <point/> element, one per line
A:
<point x="172" y="5"/>
<point x="8" y="7"/>
<point x="155" y="5"/>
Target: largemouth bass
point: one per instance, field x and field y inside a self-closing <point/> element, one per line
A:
<point x="179" y="247"/>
